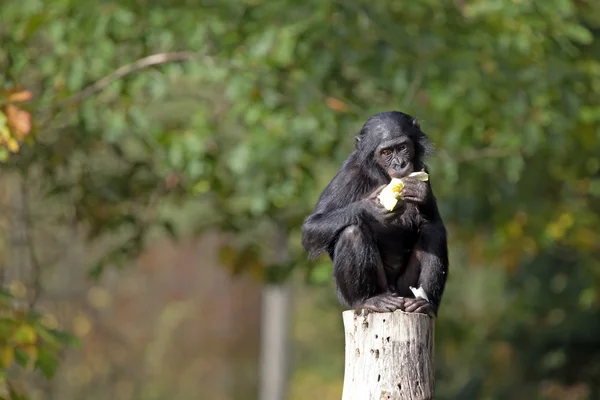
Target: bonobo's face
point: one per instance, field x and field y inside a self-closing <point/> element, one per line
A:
<point x="396" y="156"/>
<point x="392" y="143"/>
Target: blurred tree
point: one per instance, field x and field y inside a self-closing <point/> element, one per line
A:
<point x="249" y="107"/>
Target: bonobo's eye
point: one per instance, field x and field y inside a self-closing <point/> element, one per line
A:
<point x="403" y="147"/>
<point x="386" y="152"/>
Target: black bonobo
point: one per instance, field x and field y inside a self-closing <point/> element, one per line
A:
<point x="378" y="255"/>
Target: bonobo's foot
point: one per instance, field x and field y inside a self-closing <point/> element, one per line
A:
<point x="386" y="302"/>
<point x="420" y="306"/>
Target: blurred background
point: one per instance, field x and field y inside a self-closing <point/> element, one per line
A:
<point x="158" y="158"/>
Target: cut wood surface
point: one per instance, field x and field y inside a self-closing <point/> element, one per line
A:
<point x="389" y="356"/>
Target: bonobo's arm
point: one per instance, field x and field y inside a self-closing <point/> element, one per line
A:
<point x="338" y="207"/>
<point x="322" y="228"/>
<point x="431" y="252"/>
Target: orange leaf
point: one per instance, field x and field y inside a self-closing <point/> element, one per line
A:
<point x="336" y="105"/>
<point x="19" y="120"/>
<point x="19" y="97"/>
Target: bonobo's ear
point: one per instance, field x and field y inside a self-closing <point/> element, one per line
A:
<point x="424" y="145"/>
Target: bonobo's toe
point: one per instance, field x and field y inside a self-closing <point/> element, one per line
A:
<point x="420" y="306"/>
<point x="383" y="303"/>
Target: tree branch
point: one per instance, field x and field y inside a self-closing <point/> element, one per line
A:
<point x="36" y="273"/>
<point x="142" y="63"/>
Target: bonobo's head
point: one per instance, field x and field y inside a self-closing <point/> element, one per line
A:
<point x="392" y="143"/>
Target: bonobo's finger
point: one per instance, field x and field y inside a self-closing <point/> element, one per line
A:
<point x="412" y="182"/>
<point x="425" y="309"/>
<point x="411" y="305"/>
<point x="414" y="194"/>
<point x="395" y="301"/>
<point x="415" y="199"/>
<point x="383" y="303"/>
<point x="415" y="185"/>
<point x="407" y="192"/>
<point x="419" y="306"/>
<point x="414" y="189"/>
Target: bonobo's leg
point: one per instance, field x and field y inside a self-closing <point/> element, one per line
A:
<point x="358" y="272"/>
<point x="430" y="261"/>
<point x="410" y="277"/>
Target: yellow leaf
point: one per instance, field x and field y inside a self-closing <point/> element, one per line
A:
<point x="7" y="355"/>
<point x="12" y="145"/>
<point x="25" y="335"/>
<point x="566" y="220"/>
<point x="514" y="229"/>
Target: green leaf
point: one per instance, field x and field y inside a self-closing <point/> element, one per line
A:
<point x="170" y="228"/>
<point x="97" y="270"/>
<point x="21" y="357"/>
<point x="47" y="363"/>
<point x="3" y="154"/>
<point x="578" y="33"/>
<point x="76" y="74"/>
<point x="65" y="338"/>
<point x="284" y="51"/>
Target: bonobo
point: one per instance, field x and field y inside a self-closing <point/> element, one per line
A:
<point x="379" y="254"/>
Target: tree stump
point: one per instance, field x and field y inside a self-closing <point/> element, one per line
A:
<point x="389" y="356"/>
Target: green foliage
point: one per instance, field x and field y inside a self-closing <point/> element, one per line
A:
<point x="27" y="341"/>
<point x="255" y="105"/>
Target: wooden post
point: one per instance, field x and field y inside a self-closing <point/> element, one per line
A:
<point x="389" y="356"/>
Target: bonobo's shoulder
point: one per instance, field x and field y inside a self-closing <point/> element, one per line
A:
<point x="345" y="187"/>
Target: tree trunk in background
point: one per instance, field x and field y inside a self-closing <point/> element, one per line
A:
<point x="275" y="328"/>
<point x="276" y="307"/>
<point x="388" y="356"/>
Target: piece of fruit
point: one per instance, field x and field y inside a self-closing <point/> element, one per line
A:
<point x="390" y="194"/>
<point x="419" y="293"/>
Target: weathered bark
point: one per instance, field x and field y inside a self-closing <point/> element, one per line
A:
<point x="389" y="356"/>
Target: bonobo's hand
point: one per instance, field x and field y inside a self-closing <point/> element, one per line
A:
<point x="373" y="207"/>
<point x="416" y="191"/>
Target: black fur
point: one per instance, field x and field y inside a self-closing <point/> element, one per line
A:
<point x="378" y="254"/>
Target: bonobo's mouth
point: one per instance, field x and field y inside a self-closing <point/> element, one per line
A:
<point x="401" y="174"/>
